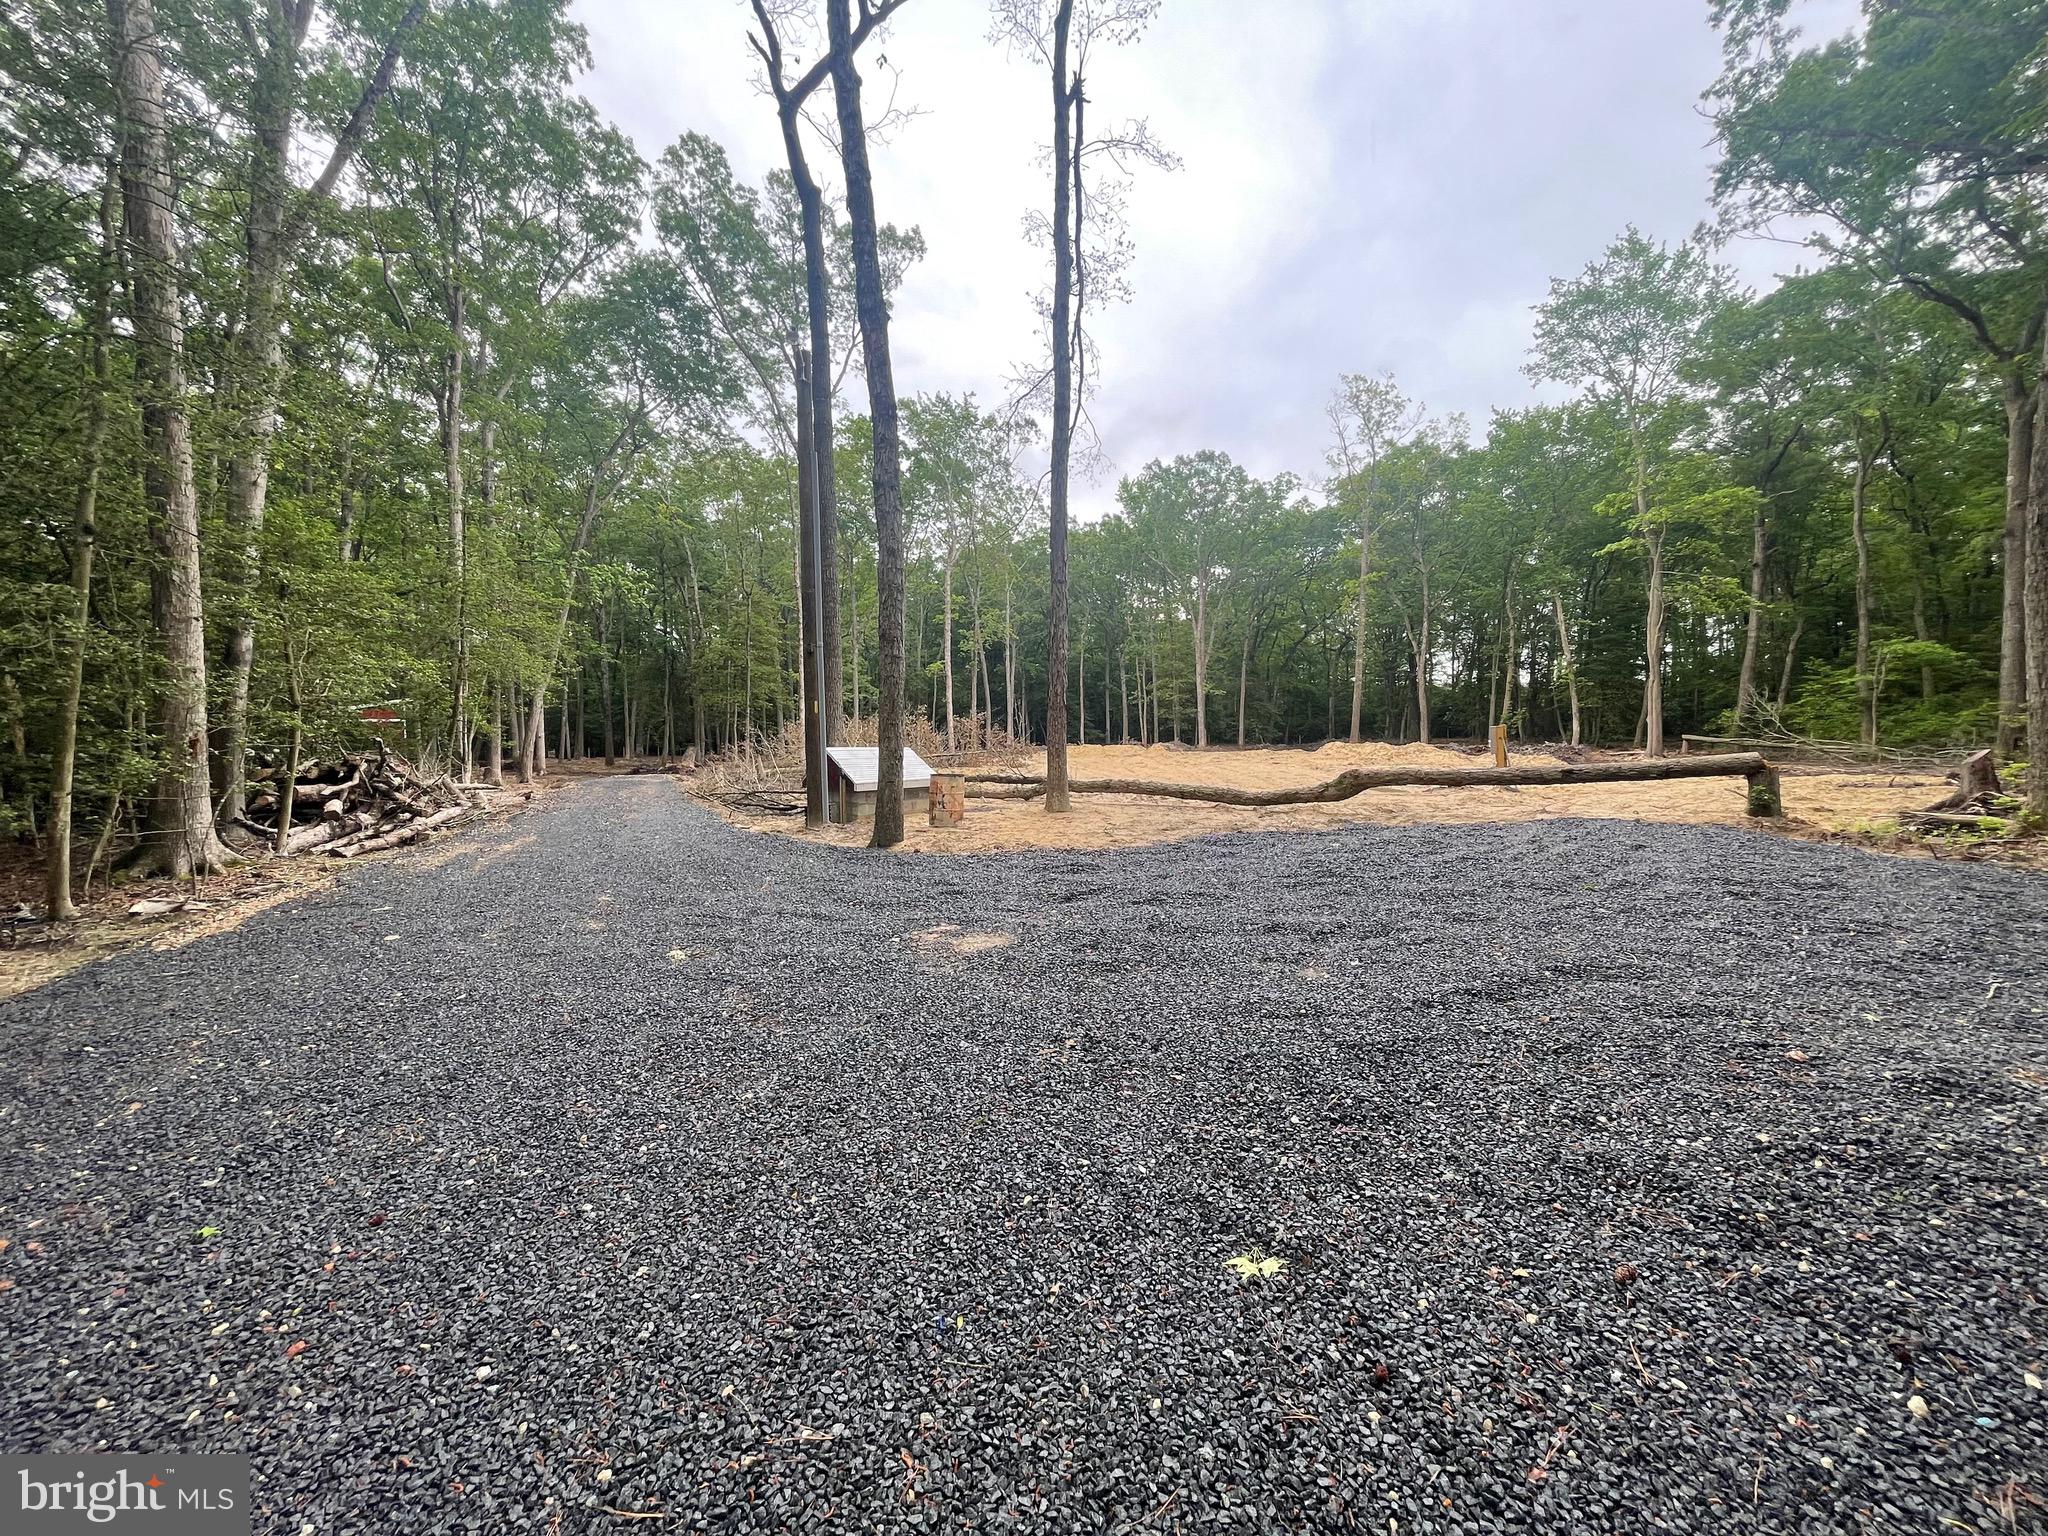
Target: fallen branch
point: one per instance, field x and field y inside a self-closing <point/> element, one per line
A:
<point x="1938" y="820"/>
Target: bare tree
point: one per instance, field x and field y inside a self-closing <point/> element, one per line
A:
<point x="84" y="540"/>
<point x="1059" y="35"/>
<point x="871" y="304"/>
<point x="821" y="515"/>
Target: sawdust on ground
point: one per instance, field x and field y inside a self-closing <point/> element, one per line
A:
<point x="1816" y="803"/>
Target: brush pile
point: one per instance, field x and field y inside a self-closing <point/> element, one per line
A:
<point x="353" y="804"/>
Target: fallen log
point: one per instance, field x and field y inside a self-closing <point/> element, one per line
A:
<point x="1764" y="796"/>
<point x="410" y="832"/>
<point x="318" y="834"/>
<point x="1009" y="791"/>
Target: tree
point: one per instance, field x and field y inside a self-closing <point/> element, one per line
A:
<point x="817" y="469"/>
<point x="1060" y="35"/>
<point x="1198" y="518"/>
<point x="1627" y="329"/>
<point x="1914" y="151"/>
<point x="1369" y="418"/>
<point x="1420" y="481"/>
<point x="273" y="231"/>
<point x="183" y="841"/>
<point x="871" y="301"/>
<point x="501" y="195"/>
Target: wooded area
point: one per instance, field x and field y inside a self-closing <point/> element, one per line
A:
<point x="351" y="359"/>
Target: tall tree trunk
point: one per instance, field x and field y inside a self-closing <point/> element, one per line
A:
<point x="458" y="530"/>
<point x="1566" y="661"/>
<point x="1201" y="638"/>
<point x="1359" y="614"/>
<point x="2036" y="605"/>
<point x="947" y="639"/>
<point x="1752" y="635"/>
<point x="1866" y="688"/>
<point x="1920" y="632"/>
<point x="789" y="104"/>
<point x="258" y="367"/>
<point x="1244" y="667"/>
<point x="604" y="673"/>
<point x="84" y="541"/>
<point x="1421" y="660"/>
<point x="1653" y="649"/>
<point x="1790" y="666"/>
<point x="871" y="304"/>
<point x="1081" y="686"/>
<point x="2022" y="440"/>
<point x="348" y="515"/>
<point x="1065" y="167"/>
<point x="824" y="483"/>
<point x="1105" y="698"/>
<point x="181" y="836"/>
<point x="813" y="636"/>
<point x="494" y="769"/>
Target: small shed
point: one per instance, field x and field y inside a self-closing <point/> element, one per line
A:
<point x="852" y="773"/>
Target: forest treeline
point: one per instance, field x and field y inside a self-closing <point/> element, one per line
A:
<point x="352" y="360"/>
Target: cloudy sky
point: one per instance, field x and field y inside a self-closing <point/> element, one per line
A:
<point x="1365" y="185"/>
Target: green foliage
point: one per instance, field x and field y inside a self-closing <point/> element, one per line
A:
<point x="623" y="432"/>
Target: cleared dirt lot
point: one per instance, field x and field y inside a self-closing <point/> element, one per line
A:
<point x="1826" y="801"/>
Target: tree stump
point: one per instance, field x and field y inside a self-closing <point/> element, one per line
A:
<point x="1766" y="794"/>
<point x="1979" y="776"/>
<point x="1500" y="746"/>
<point x="948" y="799"/>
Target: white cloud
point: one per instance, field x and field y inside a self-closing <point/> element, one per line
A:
<point x="1365" y="186"/>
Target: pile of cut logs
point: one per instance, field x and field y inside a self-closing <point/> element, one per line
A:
<point x="351" y="805"/>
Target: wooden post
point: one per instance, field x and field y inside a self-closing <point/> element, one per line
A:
<point x="948" y="799"/>
<point x="1766" y="797"/>
<point x="1500" y="746"/>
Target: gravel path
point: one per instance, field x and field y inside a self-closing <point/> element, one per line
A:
<point x="628" y="1162"/>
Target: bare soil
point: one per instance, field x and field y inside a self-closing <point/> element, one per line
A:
<point x="1855" y="805"/>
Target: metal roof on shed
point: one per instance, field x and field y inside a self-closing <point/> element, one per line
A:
<point x="862" y="766"/>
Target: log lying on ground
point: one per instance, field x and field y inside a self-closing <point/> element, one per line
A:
<point x="411" y="832"/>
<point x="1764" y="796"/>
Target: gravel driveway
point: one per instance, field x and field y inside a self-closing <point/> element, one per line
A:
<point x="1626" y="1178"/>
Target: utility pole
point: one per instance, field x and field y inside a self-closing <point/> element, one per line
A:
<point x="811" y="582"/>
